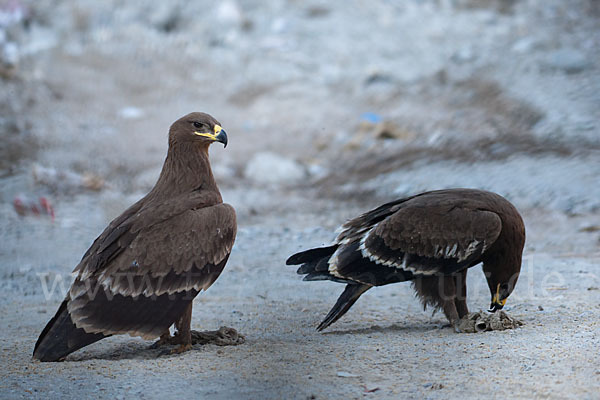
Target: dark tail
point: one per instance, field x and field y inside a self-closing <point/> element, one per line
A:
<point x="343" y="304"/>
<point x="61" y="337"/>
<point x="315" y="264"/>
<point x="311" y="255"/>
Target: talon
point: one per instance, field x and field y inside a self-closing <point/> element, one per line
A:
<point x="177" y="350"/>
<point x="181" y="348"/>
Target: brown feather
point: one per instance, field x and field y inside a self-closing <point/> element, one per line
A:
<point x="431" y="239"/>
<point x="145" y="268"/>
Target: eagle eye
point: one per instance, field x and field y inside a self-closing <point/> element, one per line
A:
<point x="198" y="125"/>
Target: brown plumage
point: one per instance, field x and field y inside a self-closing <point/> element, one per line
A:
<point x="142" y="273"/>
<point x="430" y="239"/>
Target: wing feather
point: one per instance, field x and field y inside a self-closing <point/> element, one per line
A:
<point x="169" y="257"/>
<point x="430" y="240"/>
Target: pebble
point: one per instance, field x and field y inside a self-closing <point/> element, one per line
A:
<point x="571" y="61"/>
<point x="131" y="112"/>
<point x="229" y="12"/>
<point x="525" y="45"/>
<point x="271" y="168"/>
<point x="9" y="55"/>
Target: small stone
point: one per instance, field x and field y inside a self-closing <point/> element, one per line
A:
<point x="525" y="45"/>
<point x="131" y="113"/>
<point x="464" y="55"/>
<point x="10" y="54"/>
<point x="570" y="61"/>
<point x="279" y="25"/>
<point x="229" y="12"/>
<point x="271" y="168"/>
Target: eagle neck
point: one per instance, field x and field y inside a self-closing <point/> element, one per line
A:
<point x="186" y="168"/>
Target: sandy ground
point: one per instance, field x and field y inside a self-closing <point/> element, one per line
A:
<point x="330" y="110"/>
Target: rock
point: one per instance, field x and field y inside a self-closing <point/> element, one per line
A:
<point x="272" y="168"/>
<point x="131" y="113"/>
<point x="525" y="45"/>
<point x="571" y="61"/>
<point x="229" y="12"/>
<point x="165" y="17"/>
<point x="280" y="25"/>
<point x="66" y="181"/>
<point x="317" y="171"/>
<point x="10" y="54"/>
<point x="464" y="55"/>
<point x="375" y="76"/>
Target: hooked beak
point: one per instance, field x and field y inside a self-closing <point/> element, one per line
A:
<point x="497" y="304"/>
<point x="219" y="135"/>
<point x="222" y="138"/>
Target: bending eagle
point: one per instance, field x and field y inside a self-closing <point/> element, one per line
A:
<point x="430" y="239"/>
<point x="142" y="273"/>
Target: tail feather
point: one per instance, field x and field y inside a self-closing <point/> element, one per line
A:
<point x="311" y="255"/>
<point x="323" y="276"/>
<point x="343" y="304"/>
<point x="319" y="265"/>
<point x="61" y="337"/>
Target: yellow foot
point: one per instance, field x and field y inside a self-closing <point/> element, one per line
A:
<point x="181" y="348"/>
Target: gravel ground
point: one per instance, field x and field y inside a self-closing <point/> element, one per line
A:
<point x="331" y="110"/>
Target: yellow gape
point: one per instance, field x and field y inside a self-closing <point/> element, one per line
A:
<point x="209" y="135"/>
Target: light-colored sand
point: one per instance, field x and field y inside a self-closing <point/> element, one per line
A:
<point x="478" y="96"/>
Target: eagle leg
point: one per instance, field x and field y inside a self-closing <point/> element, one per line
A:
<point x="439" y="291"/>
<point x="184" y="332"/>
<point x="447" y="296"/>
<point x="164" y="339"/>
<point x="460" y="280"/>
<point x="182" y="338"/>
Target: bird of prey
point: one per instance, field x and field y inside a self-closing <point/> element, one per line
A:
<point x="430" y="239"/>
<point x="142" y="273"/>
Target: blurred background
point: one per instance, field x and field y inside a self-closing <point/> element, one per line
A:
<point x="331" y="109"/>
<point x="361" y="102"/>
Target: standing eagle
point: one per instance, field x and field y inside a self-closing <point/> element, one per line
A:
<point x="142" y="273"/>
<point x="430" y="239"/>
